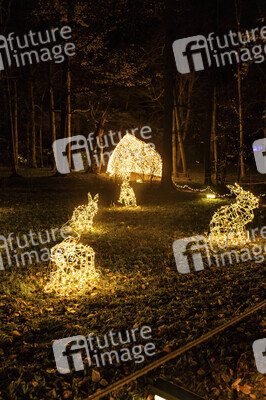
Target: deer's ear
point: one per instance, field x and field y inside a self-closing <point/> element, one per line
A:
<point x="234" y="189"/>
<point x="96" y="197"/>
<point x="89" y="196"/>
<point x="231" y="188"/>
<point x="239" y="189"/>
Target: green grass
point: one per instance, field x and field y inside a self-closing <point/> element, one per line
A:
<point x="139" y="286"/>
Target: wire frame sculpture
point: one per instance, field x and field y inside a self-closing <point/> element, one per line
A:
<point x="127" y="195"/>
<point x="82" y="218"/>
<point x="73" y="270"/>
<point x="227" y="225"/>
<point x="134" y="155"/>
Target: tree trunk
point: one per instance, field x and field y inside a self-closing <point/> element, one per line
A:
<point x="208" y="130"/>
<point x="241" y="135"/>
<point x="13" y="158"/>
<point x="190" y="88"/>
<point x="97" y="165"/>
<point x="28" y="143"/>
<point x="168" y="93"/>
<point x="33" y="126"/>
<point x="64" y="101"/>
<point x="224" y="170"/>
<point x="184" y="116"/>
<point x="68" y="85"/>
<point x="101" y="132"/>
<point x="52" y="112"/>
<point x="214" y="135"/>
<point x="178" y="121"/>
<point x="174" y="149"/>
<point x="240" y="115"/>
<point x="180" y="142"/>
<point x="40" y="132"/>
<point x="16" y="123"/>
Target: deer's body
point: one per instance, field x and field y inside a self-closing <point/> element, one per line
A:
<point x="232" y="219"/>
<point x="82" y="218"/>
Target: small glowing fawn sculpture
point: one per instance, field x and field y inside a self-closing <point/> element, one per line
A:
<point x="73" y="270"/>
<point x="82" y="218"/>
<point x="127" y="195"/>
<point x="228" y="223"/>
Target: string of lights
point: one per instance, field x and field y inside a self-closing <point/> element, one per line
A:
<point x="209" y="190"/>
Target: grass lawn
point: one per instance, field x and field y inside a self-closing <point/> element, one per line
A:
<point x="139" y="286"/>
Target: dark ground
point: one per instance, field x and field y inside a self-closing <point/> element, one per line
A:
<point x="139" y="286"/>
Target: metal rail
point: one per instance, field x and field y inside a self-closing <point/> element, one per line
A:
<point x="173" y="354"/>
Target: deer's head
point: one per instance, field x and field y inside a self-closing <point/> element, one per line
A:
<point x="244" y="197"/>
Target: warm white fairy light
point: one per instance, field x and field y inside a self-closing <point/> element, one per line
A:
<point x="73" y="270"/>
<point x="82" y="218"/>
<point x="134" y="155"/>
<point x="228" y="223"/>
<point x="208" y="188"/>
<point x="127" y="195"/>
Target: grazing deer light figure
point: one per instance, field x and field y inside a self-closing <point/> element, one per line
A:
<point x="127" y="195"/>
<point x="82" y="218"/>
<point x="229" y="221"/>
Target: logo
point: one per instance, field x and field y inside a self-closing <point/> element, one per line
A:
<point x="28" y="49"/>
<point x="93" y="149"/>
<point x="259" y="150"/>
<point x="70" y="352"/>
<point x="259" y="349"/>
<point x="77" y="144"/>
<point x="200" y="52"/>
<point x="4" y="46"/>
<point x="192" y="49"/>
<point x="189" y="253"/>
<point x="13" y="245"/>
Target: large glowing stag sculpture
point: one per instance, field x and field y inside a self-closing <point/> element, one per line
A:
<point x="228" y="223"/>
